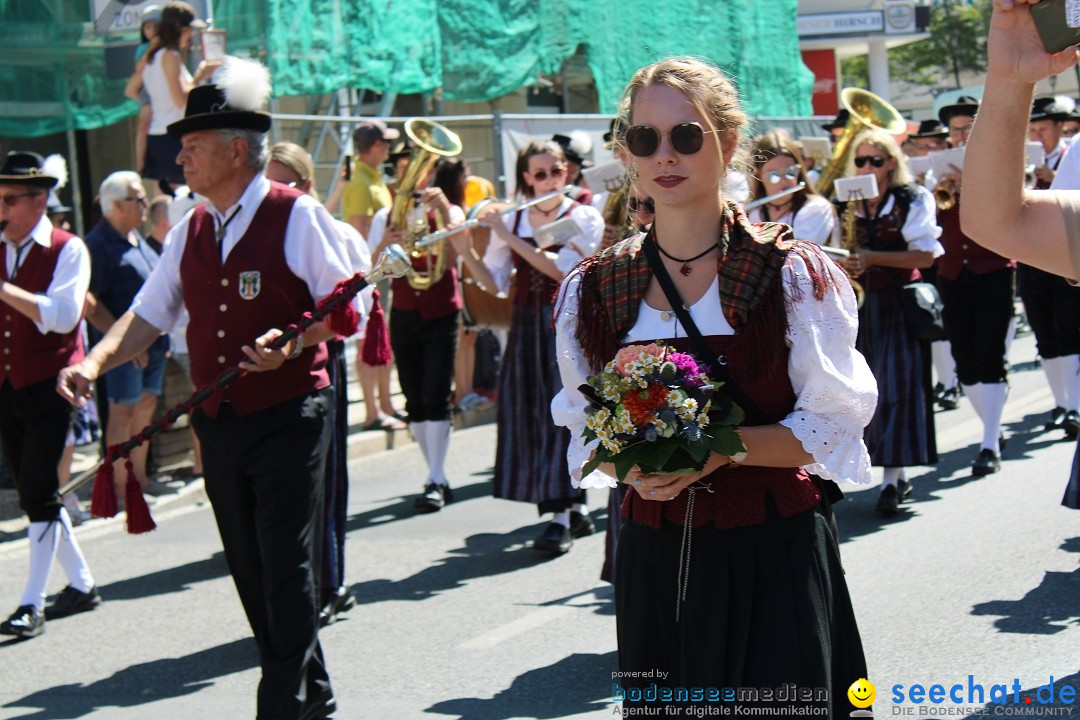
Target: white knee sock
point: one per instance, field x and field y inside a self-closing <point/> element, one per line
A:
<point x="563" y="518"/>
<point x="419" y="432"/>
<point x="43" y="537"/>
<point x="974" y="395"/>
<point x="944" y="365"/>
<point x="71" y="557"/>
<point x="1055" y="375"/>
<point x="438" y="434"/>
<point x="580" y="508"/>
<point x="1070" y="374"/>
<point x="993" y="402"/>
<point x="892" y="475"/>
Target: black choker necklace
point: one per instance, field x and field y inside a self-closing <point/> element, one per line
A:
<point x="540" y="210"/>
<point x="686" y="269"/>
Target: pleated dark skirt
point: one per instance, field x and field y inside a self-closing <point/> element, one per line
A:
<point x="766" y="606"/>
<point x="1072" y="490"/>
<point x="530" y="458"/>
<point x="901" y="433"/>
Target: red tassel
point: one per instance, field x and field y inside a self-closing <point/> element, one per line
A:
<point x="138" y="512"/>
<point x="103" y="501"/>
<point x="343" y="319"/>
<point x="376" y="348"/>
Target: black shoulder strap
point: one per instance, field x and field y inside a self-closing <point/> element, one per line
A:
<point x="719" y="372"/>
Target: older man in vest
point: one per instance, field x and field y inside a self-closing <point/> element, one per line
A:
<point x="247" y="263"/>
<point x="43" y="280"/>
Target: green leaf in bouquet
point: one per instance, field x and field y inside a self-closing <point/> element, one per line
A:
<point x="699" y="451"/>
<point x="723" y="440"/>
<point x="656" y="455"/>
<point x="680" y="462"/>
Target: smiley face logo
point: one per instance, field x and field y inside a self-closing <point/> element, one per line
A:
<point x="862" y="693"/>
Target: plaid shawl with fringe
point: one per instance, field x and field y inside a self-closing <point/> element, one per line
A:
<point x="613" y="283"/>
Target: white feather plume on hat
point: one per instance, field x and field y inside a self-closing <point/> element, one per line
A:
<point x="56" y="166"/>
<point x="245" y="83"/>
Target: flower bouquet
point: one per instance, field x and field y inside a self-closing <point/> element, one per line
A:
<point x="658" y="409"/>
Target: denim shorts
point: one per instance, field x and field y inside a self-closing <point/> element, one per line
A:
<point x="126" y="384"/>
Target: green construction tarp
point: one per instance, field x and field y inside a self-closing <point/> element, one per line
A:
<point x="53" y="73"/>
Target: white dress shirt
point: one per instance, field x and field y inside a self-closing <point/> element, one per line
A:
<point x="836" y="394"/>
<point x="62" y="304"/>
<point x="499" y="258"/>
<point x="815" y="222"/>
<point x="313" y="252"/>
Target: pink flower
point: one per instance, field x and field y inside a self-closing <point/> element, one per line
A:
<point x="630" y="353"/>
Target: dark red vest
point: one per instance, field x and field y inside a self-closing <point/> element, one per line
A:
<point x="961" y="251"/>
<point x="439" y="300"/>
<point x="532" y="287"/>
<point x="26" y="356"/>
<point x="885" y="233"/>
<point x="231" y="306"/>
<point x="739" y="493"/>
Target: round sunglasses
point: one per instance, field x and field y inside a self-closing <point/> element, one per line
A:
<point x="874" y="160"/>
<point x="686" y="138"/>
<point x="647" y="205"/>
<point x="791" y="172"/>
<point x="542" y="175"/>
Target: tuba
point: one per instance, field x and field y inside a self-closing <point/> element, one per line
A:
<point x="867" y="111"/>
<point x="431" y="141"/>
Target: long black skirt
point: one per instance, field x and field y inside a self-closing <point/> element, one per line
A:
<point x="766" y="608"/>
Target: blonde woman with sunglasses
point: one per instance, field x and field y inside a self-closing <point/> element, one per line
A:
<point x="729" y="577"/>
<point x="897" y="235"/>
<point x="778" y="166"/>
<point x="530" y="459"/>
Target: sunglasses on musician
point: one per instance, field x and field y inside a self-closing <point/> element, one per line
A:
<point x="646" y="205"/>
<point x="686" y="138"/>
<point x="542" y="175"/>
<point x="791" y="172"/>
<point x="874" y="160"/>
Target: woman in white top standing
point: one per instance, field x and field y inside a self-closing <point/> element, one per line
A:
<point x="530" y="460"/>
<point x="168" y="82"/>
<point x="778" y="166"/>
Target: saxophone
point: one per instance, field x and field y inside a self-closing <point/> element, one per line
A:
<point x="850" y="242"/>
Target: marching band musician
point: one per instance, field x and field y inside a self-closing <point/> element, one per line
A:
<point x="1052" y="305"/>
<point x="530" y="461"/>
<point x="778" y="166"/>
<point x="896" y="234"/>
<point x="251" y="260"/>
<point x="424" y="332"/>
<point x="978" y="288"/>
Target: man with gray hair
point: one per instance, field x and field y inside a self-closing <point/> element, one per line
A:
<point x="120" y="262"/>
<point x="248" y="262"/>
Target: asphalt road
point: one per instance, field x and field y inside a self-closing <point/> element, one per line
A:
<point x="459" y="618"/>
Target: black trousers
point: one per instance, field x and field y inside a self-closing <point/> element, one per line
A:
<point x="978" y="310"/>
<point x="264" y="478"/>
<point x="425" y="351"/>
<point x="34" y="424"/>
<point x="1053" y="310"/>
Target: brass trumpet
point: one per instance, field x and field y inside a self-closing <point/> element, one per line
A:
<point x="945" y="193"/>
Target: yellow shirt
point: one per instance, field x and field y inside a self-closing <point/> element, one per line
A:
<point x="366" y="192"/>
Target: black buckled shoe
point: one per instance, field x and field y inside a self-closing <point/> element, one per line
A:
<point x="949" y="399"/>
<point x="555" y="539"/>
<point x="581" y="525"/>
<point x="889" y="501"/>
<point x="71" y="601"/>
<point x="903" y="490"/>
<point x="1071" y="423"/>
<point x="26" y="622"/>
<point x="1057" y="419"/>
<point x="434" y="497"/>
<point x="986" y="463"/>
